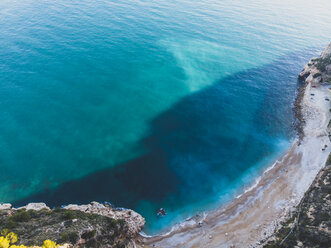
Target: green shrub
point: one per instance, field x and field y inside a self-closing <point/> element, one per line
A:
<point x="89" y="234"/>
<point x="317" y="75"/>
<point x="328" y="162"/>
<point x="68" y="215"/>
<point x="71" y="237"/>
<point x="57" y="210"/>
<point x="10" y="224"/>
<point x="323" y="62"/>
<point x="92" y="243"/>
<point x="21" y="216"/>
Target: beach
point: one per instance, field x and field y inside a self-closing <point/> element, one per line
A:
<point x="256" y="213"/>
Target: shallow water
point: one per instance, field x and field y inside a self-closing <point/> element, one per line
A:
<point x="148" y="104"/>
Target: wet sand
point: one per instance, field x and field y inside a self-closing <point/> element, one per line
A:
<point x="258" y="212"/>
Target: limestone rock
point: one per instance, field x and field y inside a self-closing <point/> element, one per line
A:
<point x="103" y="223"/>
<point x="134" y="220"/>
<point x="35" y="206"/>
<point x="318" y="70"/>
<point x="5" y="206"/>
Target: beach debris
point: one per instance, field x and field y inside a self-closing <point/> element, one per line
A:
<point x="161" y="212"/>
<point x="327" y="99"/>
<point x="200" y="223"/>
<point x="312" y="94"/>
<point x="226" y="234"/>
<point x="210" y="237"/>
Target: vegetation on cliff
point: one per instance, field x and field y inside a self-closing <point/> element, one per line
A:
<point x="9" y="240"/>
<point x="73" y="227"/>
<point x="310" y="225"/>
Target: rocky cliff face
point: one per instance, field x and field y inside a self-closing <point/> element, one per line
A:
<point x="91" y="225"/>
<point x="318" y="70"/>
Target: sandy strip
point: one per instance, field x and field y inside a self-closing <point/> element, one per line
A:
<point x="257" y="212"/>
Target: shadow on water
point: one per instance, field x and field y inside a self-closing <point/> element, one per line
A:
<point x="201" y="144"/>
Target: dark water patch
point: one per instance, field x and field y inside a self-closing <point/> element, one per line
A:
<point x="200" y="148"/>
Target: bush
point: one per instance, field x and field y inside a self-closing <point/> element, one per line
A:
<point x="89" y="234"/>
<point x="323" y="62"/>
<point x="10" y="224"/>
<point x="21" y="216"/>
<point x="328" y="161"/>
<point x="68" y="215"/>
<point x="71" y="237"/>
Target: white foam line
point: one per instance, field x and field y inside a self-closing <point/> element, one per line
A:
<point x="258" y="179"/>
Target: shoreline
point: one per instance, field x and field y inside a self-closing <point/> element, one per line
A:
<point x="258" y="212"/>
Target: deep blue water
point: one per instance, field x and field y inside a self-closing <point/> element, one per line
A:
<point x="148" y="104"/>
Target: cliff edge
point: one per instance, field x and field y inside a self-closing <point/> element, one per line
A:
<point x="91" y="225"/>
<point x="318" y="70"/>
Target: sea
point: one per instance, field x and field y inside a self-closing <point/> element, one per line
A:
<point x="149" y="104"/>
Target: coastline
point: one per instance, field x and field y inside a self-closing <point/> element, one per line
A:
<point x="258" y="212"/>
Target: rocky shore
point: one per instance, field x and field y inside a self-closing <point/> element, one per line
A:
<point x="309" y="225"/>
<point x="91" y="225"/>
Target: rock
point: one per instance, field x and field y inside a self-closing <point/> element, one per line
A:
<point x="327" y="51"/>
<point x="35" y="206"/>
<point x="314" y="72"/>
<point x="134" y="220"/>
<point x="122" y="226"/>
<point x="5" y="206"/>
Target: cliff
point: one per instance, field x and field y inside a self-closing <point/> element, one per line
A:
<point x="309" y="225"/>
<point x="91" y="225"/>
<point x="318" y="70"/>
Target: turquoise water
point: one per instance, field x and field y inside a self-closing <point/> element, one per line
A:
<point x="148" y="104"/>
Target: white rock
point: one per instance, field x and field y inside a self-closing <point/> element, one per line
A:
<point x="134" y="220"/>
<point x="35" y="206"/>
<point x="5" y="206"/>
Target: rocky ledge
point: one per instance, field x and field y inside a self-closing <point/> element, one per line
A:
<point x="91" y="225"/>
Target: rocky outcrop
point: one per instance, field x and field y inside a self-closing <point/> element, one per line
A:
<point x="35" y="206"/>
<point x="135" y="221"/>
<point x="91" y="225"/>
<point x="318" y="70"/>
